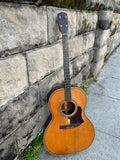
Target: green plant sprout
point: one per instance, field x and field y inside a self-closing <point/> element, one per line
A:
<point x="87" y="83"/>
<point x="35" y="150"/>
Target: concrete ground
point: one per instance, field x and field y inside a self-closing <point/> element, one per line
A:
<point x="103" y="109"/>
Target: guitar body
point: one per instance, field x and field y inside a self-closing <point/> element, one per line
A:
<point x="72" y="131"/>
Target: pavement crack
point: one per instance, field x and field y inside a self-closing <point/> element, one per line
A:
<point x="107" y="134"/>
<point x="116" y="78"/>
<point x="114" y="98"/>
<point x="100" y="85"/>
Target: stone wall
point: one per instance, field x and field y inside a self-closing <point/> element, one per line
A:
<point x="31" y="63"/>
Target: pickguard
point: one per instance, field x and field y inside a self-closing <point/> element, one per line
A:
<point x="75" y="120"/>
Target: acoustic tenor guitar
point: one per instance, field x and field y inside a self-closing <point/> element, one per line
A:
<point x="70" y="130"/>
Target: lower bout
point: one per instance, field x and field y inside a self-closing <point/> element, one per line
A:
<point x="69" y="141"/>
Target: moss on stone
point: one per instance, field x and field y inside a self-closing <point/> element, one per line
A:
<point x="76" y="4"/>
<point x="67" y="3"/>
<point x="96" y="7"/>
<point x="85" y="24"/>
<point x="7" y="54"/>
<point x="57" y="3"/>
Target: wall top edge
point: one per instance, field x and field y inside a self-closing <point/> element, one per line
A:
<point x="94" y="5"/>
<point x="36" y="2"/>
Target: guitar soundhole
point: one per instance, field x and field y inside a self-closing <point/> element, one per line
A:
<point x="68" y="108"/>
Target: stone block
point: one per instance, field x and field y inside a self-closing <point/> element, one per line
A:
<point x="13" y="77"/>
<point x="81" y="75"/>
<point x="86" y="21"/>
<point x="116" y="42"/>
<point x="18" y="110"/>
<point x="81" y="67"/>
<point x="98" y="59"/>
<point x="81" y="44"/>
<point x="102" y="37"/>
<point x="102" y="4"/>
<point x="110" y="45"/>
<point x="105" y="18"/>
<point x="52" y="81"/>
<point x="113" y="43"/>
<point x="53" y="31"/>
<point x="22" y="27"/>
<point x="99" y="53"/>
<point x="31" y="128"/>
<point x="96" y="67"/>
<point x="8" y="149"/>
<point x="42" y="62"/>
<point x="115" y="27"/>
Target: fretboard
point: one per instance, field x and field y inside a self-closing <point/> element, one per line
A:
<point x="66" y="68"/>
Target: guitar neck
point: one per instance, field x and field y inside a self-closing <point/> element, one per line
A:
<point x="66" y="68"/>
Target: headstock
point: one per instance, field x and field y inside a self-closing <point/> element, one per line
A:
<point x="63" y="22"/>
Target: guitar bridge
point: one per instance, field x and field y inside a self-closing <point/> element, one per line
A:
<point x="69" y="126"/>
